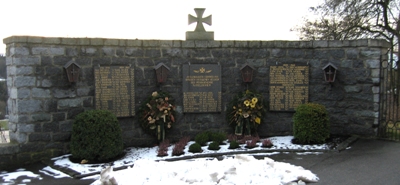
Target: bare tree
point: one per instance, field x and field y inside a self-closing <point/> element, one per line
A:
<point x="353" y="19"/>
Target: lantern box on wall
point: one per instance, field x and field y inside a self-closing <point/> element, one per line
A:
<point x="162" y="72"/>
<point x="72" y="69"/>
<point x="329" y="72"/>
<point x="247" y="73"/>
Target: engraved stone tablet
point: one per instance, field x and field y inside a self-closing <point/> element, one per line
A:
<point x="288" y="86"/>
<point x="115" y="90"/>
<point x="201" y="88"/>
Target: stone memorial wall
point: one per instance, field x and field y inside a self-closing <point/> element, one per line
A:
<point x="119" y="74"/>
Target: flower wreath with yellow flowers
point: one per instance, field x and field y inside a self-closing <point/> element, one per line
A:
<point x="245" y="112"/>
<point x="157" y="114"/>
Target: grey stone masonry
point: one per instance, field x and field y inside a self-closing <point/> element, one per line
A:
<point x="42" y="103"/>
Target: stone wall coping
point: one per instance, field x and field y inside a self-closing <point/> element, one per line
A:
<point x="194" y="43"/>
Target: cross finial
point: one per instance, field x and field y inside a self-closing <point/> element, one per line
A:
<point x="200" y="20"/>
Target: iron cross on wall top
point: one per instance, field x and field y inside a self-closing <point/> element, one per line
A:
<point x="200" y="20"/>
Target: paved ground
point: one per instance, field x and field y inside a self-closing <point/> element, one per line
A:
<point x="366" y="162"/>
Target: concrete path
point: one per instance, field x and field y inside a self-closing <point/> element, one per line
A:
<point x="365" y="162"/>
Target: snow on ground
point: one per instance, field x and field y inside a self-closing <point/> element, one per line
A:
<point x="150" y="169"/>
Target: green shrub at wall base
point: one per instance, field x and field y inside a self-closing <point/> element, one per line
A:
<point x="96" y="136"/>
<point x="311" y="123"/>
<point x="195" y="148"/>
<point x="202" y="138"/>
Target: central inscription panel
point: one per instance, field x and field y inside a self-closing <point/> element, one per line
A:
<point x="115" y="90"/>
<point x="201" y="88"/>
<point x="288" y="86"/>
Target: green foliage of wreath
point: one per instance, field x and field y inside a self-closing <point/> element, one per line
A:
<point x="158" y="109"/>
<point x="246" y="109"/>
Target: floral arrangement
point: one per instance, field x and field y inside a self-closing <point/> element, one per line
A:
<point x="245" y="112"/>
<point x="157" y="114"/>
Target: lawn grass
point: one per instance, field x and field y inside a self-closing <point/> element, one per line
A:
<point x="4" y="124"/>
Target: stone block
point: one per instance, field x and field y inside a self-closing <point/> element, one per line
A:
<point x="69" y="41"/>
<point x="278" y="52"/>
<point x="337" y="53"/>
<point x="62" y="137"/>
<point x="352" y="88"/>
<point x="370" y="54"/>
<point x="151" y="43"/>
<point x="59" y="116"/>
<point x="64" y="93"/>
<point x="177" y="43"/>
<point x="35" y="39"/>
<point x="15" y="39"/>
<point x="19" y="61"/>
<point x="41" y="117"/>
<point x="69" y="103"/>
<point x="188" y="44"/>
<point x="24" y="70"/>
<point x="372" y="63"/>
<point x="108" y="51"/>
<point x="295" y="53"/>
<point x="53" y="40"/>
<point x="111" y="42"/>
<point x="22" y="127"/>
<point x="214" y="44"/>
<point x="19" y="51"/>
<point x="335" y="43"/>
<point x="66" y="126"/>
<point x="89" y="51"/>
<point x="134" y="43"/>
<point x="35" y="137"/>
<point x="152" y="53"/>
<point x="320" y="44"/>
<point x="24" y="81"/>
<point x="201" y="43"/>
<point x="53" y="51"/>
<point x="135" y="52"/>
<point x="8" y="149"/>
<point x="254" y="44"/>
<point x="96" y="41"/>
<point x="53" y="127"/>
<point x="29" y="106"/>
<point x="227" y="44"/>
<point x="40" y="93"/>
<point x="18" y="137"/>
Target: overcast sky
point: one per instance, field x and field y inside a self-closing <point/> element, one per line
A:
<point x="152" y="19"/>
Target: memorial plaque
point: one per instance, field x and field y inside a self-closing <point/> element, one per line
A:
<point x="201" y="88"/>
<point x="115" y="90"/>
<point x="288" y="86"/>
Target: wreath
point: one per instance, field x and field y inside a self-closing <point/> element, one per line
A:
<point x="157" y="114"/>
<point x="245" y="112"/>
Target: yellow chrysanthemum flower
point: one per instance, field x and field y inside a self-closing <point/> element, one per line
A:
<point x="257" y="120"/>
<point x="246" y="102"/>
<point x="254" y="100"/>
<point x="252" y="104"/>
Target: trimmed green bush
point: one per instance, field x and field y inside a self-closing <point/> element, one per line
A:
<point x="213" y="146"/>
<point x="195" y="148"/>
<point x="311" y="124"/>
<point x="202" y="138"/>
<point x="96" y="136"/>
<point x="218" y="137"/>
<point x="233" y="144"/>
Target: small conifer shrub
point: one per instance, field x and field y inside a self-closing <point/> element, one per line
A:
<point x="195" y="148"/>
<point x="233" y="144"/>
<point x="213" y="146"/>
<point x="218" y="137"/>
<point x="96" y="136"/>
<point x="202" y="138"/>
<point x="311" y="124"/>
